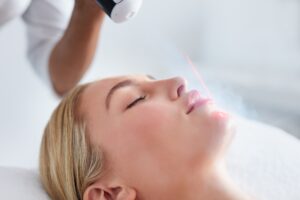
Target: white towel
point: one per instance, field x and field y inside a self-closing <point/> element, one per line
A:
<point x="265" y="161"/>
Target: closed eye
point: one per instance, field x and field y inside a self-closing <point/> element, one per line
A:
<point x="136" y="101"/>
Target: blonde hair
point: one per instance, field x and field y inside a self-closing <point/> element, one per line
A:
<point x="68" y="161"/>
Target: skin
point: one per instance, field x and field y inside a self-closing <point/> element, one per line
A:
<point x="154" y="150"/>
<point x="72" y="55"/>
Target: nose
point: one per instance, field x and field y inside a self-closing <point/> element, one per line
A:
<point x="173" y="87"/>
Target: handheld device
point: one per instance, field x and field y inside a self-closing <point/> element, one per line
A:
<point x="120" y="10"/>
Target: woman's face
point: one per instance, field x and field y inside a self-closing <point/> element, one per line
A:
<point x="148" y="132"/>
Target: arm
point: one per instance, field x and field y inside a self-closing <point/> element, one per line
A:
<point x="62" y="38"/>
<point x="73" y="53"/>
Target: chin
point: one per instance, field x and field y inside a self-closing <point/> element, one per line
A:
<point x="225" y="128"/>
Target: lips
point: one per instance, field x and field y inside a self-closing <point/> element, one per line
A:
<point x="195" y="100"/>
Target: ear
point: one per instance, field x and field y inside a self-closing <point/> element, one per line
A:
<point x="123" y="193"/>
<point x="97" y="191"/>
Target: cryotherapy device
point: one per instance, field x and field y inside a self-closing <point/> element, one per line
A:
<point x="120" y="10"/>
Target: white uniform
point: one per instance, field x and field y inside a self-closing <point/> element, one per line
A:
<point x="45" y="22"/>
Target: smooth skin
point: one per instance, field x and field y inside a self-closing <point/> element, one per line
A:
<point x="73" y="54"/>
<point x="153" y="149"/>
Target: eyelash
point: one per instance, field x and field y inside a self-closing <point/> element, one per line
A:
<point x="136" y="101"/>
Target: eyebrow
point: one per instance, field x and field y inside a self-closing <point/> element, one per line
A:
<point x="119" y="85"/>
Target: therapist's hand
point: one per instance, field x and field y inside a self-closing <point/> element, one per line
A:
<point x="73" y="54"/>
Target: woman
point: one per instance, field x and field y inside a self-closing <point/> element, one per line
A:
<point x="134" y="137"/>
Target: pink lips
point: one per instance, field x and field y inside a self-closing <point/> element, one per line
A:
<point x="195" y="100"/>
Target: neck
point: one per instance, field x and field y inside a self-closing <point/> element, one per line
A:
<point x="214" y="184"/>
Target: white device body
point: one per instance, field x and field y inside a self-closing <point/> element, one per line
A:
<point x="120" y="10"/>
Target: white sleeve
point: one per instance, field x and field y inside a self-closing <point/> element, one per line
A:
<point x="46" y="21"/>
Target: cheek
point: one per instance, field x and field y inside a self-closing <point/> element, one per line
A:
<point x="144" y="133"/>
<point x="148" y="119"/>
<point x="150" y="126"/>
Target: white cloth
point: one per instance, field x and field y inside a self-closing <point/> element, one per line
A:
<point x="265" y="161"/>
<point x="18" y="183"/>
<point x="46" y="21"/>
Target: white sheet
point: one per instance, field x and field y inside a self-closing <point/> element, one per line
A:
<point x="265" y="161"/>
<point x="20" y="184"/>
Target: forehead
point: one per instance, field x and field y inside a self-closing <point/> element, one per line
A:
<point x="92" y="103"/>
<point x="99" y="89"/>
<point x="94" y="95"/>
